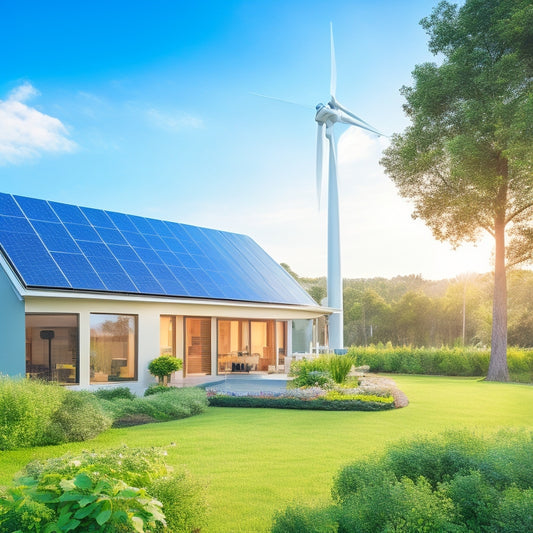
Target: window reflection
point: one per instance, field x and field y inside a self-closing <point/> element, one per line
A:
<point x="250" y="345"/>
<point x="52" y="347"/>
<point x="113" y="348"/>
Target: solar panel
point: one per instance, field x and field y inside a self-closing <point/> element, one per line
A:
<point x="56" y="245"/>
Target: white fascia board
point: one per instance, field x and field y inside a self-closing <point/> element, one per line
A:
<point x="43" y="293"/>
<point x="16" y="285"/>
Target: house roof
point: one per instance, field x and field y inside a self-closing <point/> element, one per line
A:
<point x="52" y="245"/>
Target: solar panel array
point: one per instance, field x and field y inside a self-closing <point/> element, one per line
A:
<point x="56" y="245"/>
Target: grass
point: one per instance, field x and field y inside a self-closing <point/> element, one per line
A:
<point x="256" y="461"/>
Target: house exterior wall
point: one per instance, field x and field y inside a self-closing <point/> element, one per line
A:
<point x="12" y="329"/>
<point x="149" y="313"/>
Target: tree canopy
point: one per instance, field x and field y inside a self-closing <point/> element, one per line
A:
<point x="466" y="159"/>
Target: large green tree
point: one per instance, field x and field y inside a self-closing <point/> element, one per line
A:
<point x="466" y="159"/>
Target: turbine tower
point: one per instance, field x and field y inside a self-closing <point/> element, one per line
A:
<point x="327" y="116"/>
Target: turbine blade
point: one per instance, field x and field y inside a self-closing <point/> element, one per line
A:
<point x="351" y="122"/>
<point x="349" y="113"/>
<point x="333" y="79"/>
<point x="285" y="101"/>
<point x="319" y="160"/>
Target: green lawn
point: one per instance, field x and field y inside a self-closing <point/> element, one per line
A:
<point x="256" y="461"/>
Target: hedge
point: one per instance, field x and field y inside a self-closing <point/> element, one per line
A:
<point x="319" y="404"/>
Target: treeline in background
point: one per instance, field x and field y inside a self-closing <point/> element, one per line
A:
<point x="408" y="310"/>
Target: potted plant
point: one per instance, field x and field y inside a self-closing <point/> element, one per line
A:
<point x="163" y="366"/>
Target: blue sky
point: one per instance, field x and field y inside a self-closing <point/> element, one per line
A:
<point x="148" y="108"/>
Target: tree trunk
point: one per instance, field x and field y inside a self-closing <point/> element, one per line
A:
<point x="498" y="370"/>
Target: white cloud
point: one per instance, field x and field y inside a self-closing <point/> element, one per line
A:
<point x="25" y="132"/>
<point x="23" y="92"/>
<point x="174" y="120"/>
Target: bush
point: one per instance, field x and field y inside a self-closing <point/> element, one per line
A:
<point x="437" y="459"/>
<point x="475" y="500"/>
<point x="317" y="364"/>
<point x="156" y="389"/>
<point x="92" y="492"/>
<point x="403" y="507"/>
<point x="311" y="378"/>
<point x="163" y="366"/>
<point x="26" y="408"/>
<point x="184" y="502"/>
<point x="174" y="404"/>
<point x="79" y="417"/>
<point x="297" y="519"/>
<point x="454" y="482"/>
<point x="115" y="393"/>
<point x="515" y="513"/>
<point x="361" y="403"/>
<point x="357" y="476"/>
<point x="457" y="361"/>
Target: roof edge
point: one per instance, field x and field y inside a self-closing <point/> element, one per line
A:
<point x="58" y="293"/>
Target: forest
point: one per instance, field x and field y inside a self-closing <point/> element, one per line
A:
<point x="409" y="310"/>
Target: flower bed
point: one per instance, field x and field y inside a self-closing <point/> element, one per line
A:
<point x="310" y="398"/>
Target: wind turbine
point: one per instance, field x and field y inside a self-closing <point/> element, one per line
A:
<point x="327" y="116"/>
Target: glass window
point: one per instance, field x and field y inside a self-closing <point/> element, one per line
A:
<point x="167" y="336"/>
<point x="281" y="342"/>
<point x="52" y="350"/>
<point x="234" y="347"/>
<point x="198" y="345"/>
<point x="249" y="345"/>
<point x="113" y="348"/>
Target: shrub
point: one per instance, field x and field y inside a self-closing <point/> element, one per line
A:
<point x="515" y="513"/>
<point x="475" y="500"/>
<point x="456" y="361"/>
<point x="135" y="466"/>
<point x="179" y="403"/>
<point x="118" y="490"/>
<point x="163" y="366"/>
<point x="404" y="506"/>
<point x="79" y="417"/>
<point x="455" y="482"/>
<point x="339" y="367"/>
<point x="26" y="408"/>
<point x="361" y="403"/>
<point x="357" y="476"/>
<point x="174" y="404"/>
<point x="184" y="502"/>
<point x="317" y="364"/>
<point x="156" y="389"/>
<point x="437" y="459"/>
<point x="90" y="492"/>
<point x="312" y="378"/>
<point x="296" y="519"/>
<point x="115" y="393"/>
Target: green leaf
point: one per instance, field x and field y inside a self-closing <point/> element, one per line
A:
<point x="127" y="493"/>
<point x="121" y="516"/>
<point x="43" y="497"/>
<point x="103" y="517"/>
<point x="71" y="496"/>
<point x="86" y="511"/>
<point x="87" y="499"/>
<point x="71" y="525"/>
<point x="83" y="481"/>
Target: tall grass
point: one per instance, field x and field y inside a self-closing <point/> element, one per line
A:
<point x="445" y="361"/>
<point x="26" y="409"/>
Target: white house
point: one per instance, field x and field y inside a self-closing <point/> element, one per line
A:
<point x="89" y="296"/>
